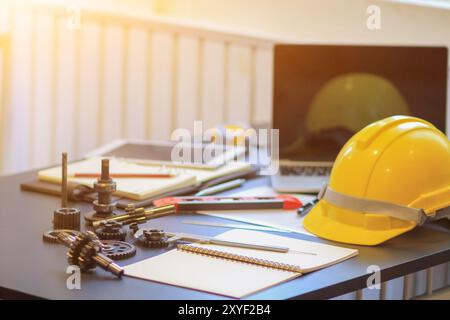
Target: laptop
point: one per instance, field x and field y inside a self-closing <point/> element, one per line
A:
<point x="323" y="94"/>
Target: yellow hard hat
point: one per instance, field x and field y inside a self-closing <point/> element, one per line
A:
<point x="352" y="101"/>
<point x="388" y="178"/>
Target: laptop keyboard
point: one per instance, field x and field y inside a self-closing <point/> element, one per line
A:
<point x="304" y="171"/>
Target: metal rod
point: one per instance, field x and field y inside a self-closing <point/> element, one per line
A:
<point x="64" y="181"/>
<point x="105" y="169"/>
<point x="140" y="215"/>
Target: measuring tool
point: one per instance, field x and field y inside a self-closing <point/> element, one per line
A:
<point x="186" y="204"/>
<point x="233" y="226"/>
<point x="172" y="205"/>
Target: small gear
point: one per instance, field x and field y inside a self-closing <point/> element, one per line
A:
<point x="50" y="236"/>
<point x="153" y="239"/>
<point x="134" y="227"/>
<point x="118" y="250"/>
<point x="81" y="241"/>
<point x="89" y="250"/>
<point x="66" y="218"/>
<point x="111" y="230"/>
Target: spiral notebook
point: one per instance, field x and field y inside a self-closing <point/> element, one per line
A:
<point x="237" y="272"/>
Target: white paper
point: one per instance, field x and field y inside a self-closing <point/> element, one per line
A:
<point x="234" y="278"/>
<point x="209" y="274"/>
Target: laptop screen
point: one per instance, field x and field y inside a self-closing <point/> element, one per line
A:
<point x="325" y="94"/>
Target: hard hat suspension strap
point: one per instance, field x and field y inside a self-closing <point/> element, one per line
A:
<point x="441" y="214"/>
<point x="372" y="206"/>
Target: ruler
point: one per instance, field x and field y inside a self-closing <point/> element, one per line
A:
<point x="233" y="225"/>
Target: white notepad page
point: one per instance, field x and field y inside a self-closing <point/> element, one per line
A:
<point x="233" y="278"/>
<point x="209" y="274"/>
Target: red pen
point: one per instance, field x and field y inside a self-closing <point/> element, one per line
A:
<point x="125" y="175"/>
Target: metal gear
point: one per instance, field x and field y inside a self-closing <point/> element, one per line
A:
<point x="85" y="260"/>
<point x="134" y="227"/>
<point x="66" y="218"/>
<point x="104" y="205"/>
<point x="51" y="236"/>
<point x="85" y="251"/>
<point x="83" y="240"/>
<point x="111" y="230"/>
<point x="153" y="239"/>
<point x="118" y="250"/>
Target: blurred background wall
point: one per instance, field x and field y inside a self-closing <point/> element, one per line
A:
<point x="78" y="74"/>
<point x="325" y="20"/>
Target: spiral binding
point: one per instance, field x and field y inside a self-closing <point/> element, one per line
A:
<point x="240" y="258"/>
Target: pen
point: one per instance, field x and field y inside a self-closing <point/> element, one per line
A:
<point x="221" y="187"/>
<point x="209" y="240"/>
<point x="125" y="175"/>
<point x="247" y="245"/>
<point x="307" y="206"/>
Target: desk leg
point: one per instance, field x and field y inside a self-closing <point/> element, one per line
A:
<point x="408" y="282"/>
<point x="383" y="291"/>
<point x="447" y="282"/>
<point x="430" y="276"/>
<point x="359" y="295"/>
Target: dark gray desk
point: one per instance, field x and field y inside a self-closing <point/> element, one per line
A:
<point x="31" y="268"/>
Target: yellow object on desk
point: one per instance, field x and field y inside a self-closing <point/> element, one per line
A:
<point x="390" y="177"/>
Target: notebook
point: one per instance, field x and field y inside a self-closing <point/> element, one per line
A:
<point x="237" y="272"/>
<point x="134" y="188"/>
<point x="140" y="188"/>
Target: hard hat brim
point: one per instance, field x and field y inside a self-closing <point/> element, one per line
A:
<point x="319" y="223"/>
